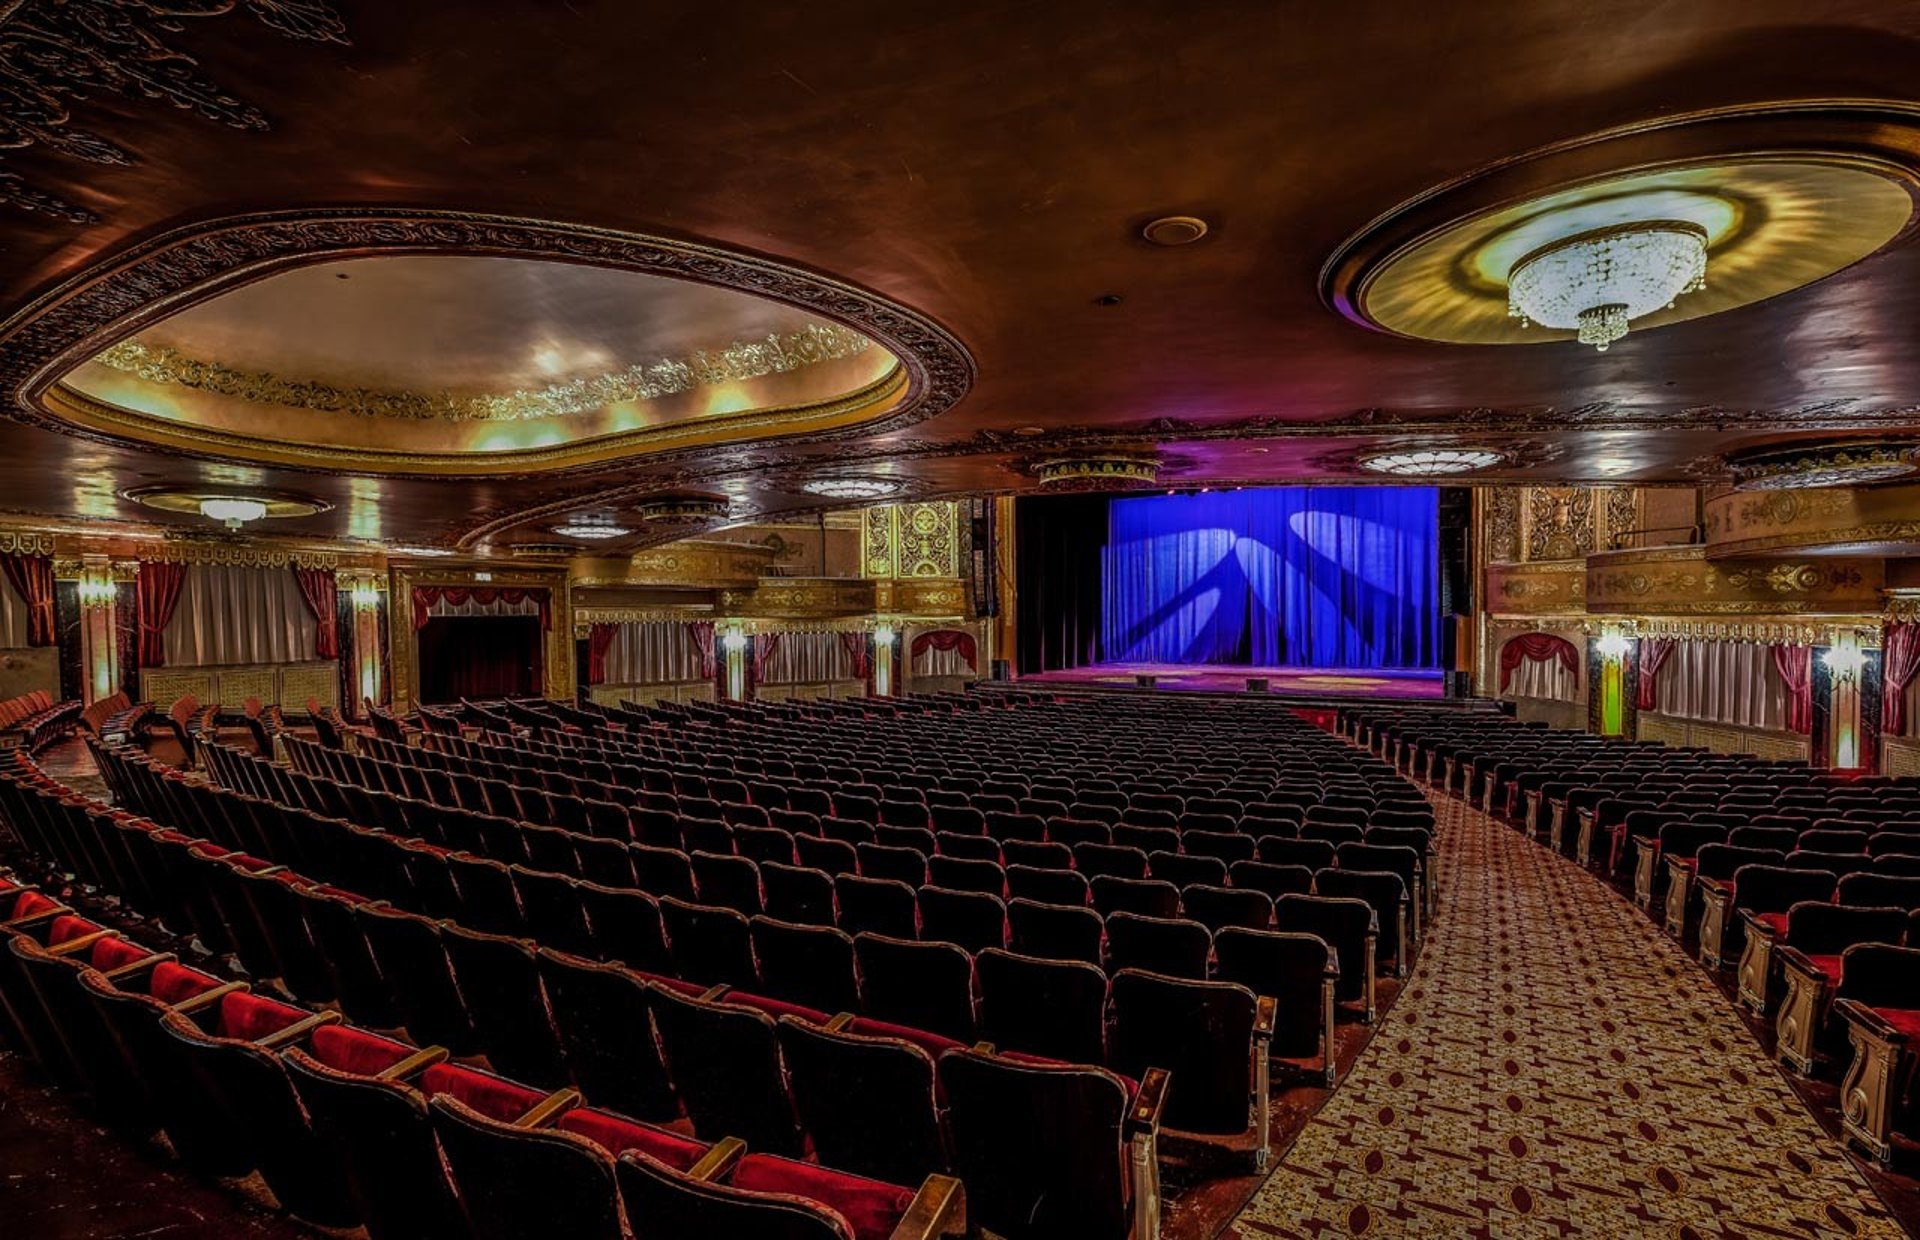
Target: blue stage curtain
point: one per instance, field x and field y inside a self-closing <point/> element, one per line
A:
<point x="1289" y="576"/>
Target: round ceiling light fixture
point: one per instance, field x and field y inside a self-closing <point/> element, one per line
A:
<point x="1843" y="464"/>
<point x="1597" y="282"/>
<point x="233" y="512"/>
<point x="423" y="552"/>
<point x="1097" y="471"/>
<point x="231" y="508"/>
<point x="1433" y="462"/>
<point x="852" y="488"/>
<point x="1175" y="230"/>
<point x="684" y="510"/>
<point x="594" y="529"/>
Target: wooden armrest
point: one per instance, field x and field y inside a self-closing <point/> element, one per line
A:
<point x="1755" y="925"/>
<point x="1149" y="1102"/>
<point x="270" y="871"/>
<point x="1644" y="841"/>
<point x="138" y="966"/>
<point x="207" y="998"/>
<point x="85" y="941"/>
<point x="549" y="1108"/>
<point x="425" y="1057"/>
<point x="713" y="993"/>
<point x="984" y="1048"/>
<point x="29" y="920"/>
<point x="297" y="1030"/>
<point x="934" y="1211"/>
<point x="1795" y="959"/>
<point x="1869" y="1020"/>
<point x="1264" y="1010"/>
<point x="840" y="1021"/>
<point x="719" y="1159"/>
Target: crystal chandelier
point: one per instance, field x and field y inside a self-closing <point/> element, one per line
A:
<point x="1597" y="282"/>
<point x="1431" y="462"/>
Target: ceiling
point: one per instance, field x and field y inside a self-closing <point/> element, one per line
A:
<point x="984" y="167"/>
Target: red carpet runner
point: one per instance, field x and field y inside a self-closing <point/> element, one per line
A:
<point x="1556" y="1067"/>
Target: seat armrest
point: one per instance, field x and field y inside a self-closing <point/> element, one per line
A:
<point x="1144" y="1116"/>
<point x="712" y="993"/>
<point x="207" y="998"/>
<point x="840" y="1021"/>
<point x="33" y="919"/>
<point x="420" y="1060"/>
<point x="138" y="966"/>
<point x="938" y="1209"/>
<point x="85" y="941"/>
<point x="1795" y="959"/>
<point x="297" y="1030"/>
<point x="718" y="1160"/>
<point x="1755" y="925"/>
<point x="1869" y="1020"/>
<point x="549" y="1108"/>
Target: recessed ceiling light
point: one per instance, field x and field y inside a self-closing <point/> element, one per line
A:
<point x="1175" y="230"/>
<point x="591" y="529"/>
<point x="1430" y="462"/>
<point x="851" y="488"/>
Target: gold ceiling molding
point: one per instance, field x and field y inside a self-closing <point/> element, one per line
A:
<point x="25" y="542"/>
<point x="237" y="555"/>
<point x="738" y="362"/>
<point x="690" y="562"/>
<point x="1840" y="463"/>
<point x="800" y="598"/>
<point x="584" y="618"/>
<point x="1766" y="632"/>
<point x="1681" y="581"/>
<point x="1537" y="587"/>
<point x="1745" y="522"/>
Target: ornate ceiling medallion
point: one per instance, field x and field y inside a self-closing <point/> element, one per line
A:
<point x="684" y="510"/>
<point x="1098" y="471"/>
<point x="231" y="508"/>
<point x="1842" y="464"/>
<point x="1433" y="462"/>
<point x="850" y="487"/>
<point x="1621" y="226"/>
<point x="560" y="347"/>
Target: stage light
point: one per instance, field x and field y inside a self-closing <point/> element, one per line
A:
<point x="94" y="590"/>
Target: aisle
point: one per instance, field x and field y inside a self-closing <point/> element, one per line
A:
<point x="1556" y="1067"/>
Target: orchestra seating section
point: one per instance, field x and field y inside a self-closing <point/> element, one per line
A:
<point x="34" y="720"/>
<point x="1807" y="881"/>
<point x="899" y="967"/>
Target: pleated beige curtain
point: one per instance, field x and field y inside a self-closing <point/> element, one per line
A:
<point x="13" y="617"/>
<point x="652" y="652"/>
<point x="808" y="658"/>
<point x="239" y="615"/>
<point x="1724" y="682"/>
<point x="1544" y="678"/>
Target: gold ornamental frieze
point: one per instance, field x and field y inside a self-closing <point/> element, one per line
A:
<point x="1812" y="518"/>
<point x="925" y="597"/>
<point x="1539" y="587"/>
<point x="799" y="598"/>
<point x="1681" y="581"/>
<point x="689" y="562"/>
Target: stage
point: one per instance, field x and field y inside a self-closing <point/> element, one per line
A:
<point x="1395" y="684"/>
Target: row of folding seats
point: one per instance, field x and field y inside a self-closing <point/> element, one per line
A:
<point x="349" y="1128"/>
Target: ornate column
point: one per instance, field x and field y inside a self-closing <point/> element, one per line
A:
<point x="99" y="635"/>
<point x="366" y="675"/>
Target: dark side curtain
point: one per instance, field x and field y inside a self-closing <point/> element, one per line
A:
<point x="1058" y="544"/>
<point x="481" y="657"/>
<point x="1336" y="577"/>
<point x="599" y="641"/>
<point x="32" y="579"/>
<point x="318" y="587"/>
<point x="156" y="594"/>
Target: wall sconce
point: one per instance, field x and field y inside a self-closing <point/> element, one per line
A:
<point x="1845" y="659"/>
<point x="1613" y="645"/>
<point x="93" y="590"/>
<point x="733" y="641"/>
<point x="365" y="596"/>
<point x="883" y="636"/>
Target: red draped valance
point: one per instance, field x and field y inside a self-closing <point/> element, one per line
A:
<point x="947" y="639"/>
<point x="424" y="597"/>
<point x="1538" y="647"/>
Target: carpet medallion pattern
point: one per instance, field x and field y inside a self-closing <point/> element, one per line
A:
<point x="1556" y="1067"/>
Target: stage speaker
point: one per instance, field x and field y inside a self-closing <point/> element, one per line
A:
<point x="1146" y="680"/>
<point x="1258" y="684"/>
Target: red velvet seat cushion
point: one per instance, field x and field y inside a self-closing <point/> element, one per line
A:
<point x="338" y="893"/>
<point x="1828" y="965"/>
<point x="31" y="903"/>
<point x="871" y="1208"/>
<point x="110" y="954"/>
<point x="356" y="1051"/>
<point x="69" y="927"/>
<point x="174" y="983"/>
<point x="930" y="1042"/>
<point x="1905" y="1020"/>
<point x="616" y="1135"/>
<point x="692" y="990"/>
<point x="492" y="1096"/>
<point x="1776" y="922"/>
<point x="244" y="862"/>
<point x="775" y="1008"/>
<point x="247" y="1017"/>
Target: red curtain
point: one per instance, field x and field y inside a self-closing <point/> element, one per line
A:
<point x="156" y="592"/>
<point x="424" y="597"/>
<point x="1538" y="647"/>
<point x="1795" y="665"/>
<point x="317" y="586"/>
<point x="1902" y="660"/>
<point x="599" y="641"/>
<point x="32" y="579"/>
<point x="944" y="640"/>
<point x="1654" y="653"/>
<point x="855" y="644"/>
<point x="764" y="644"/>
<point x="700" y="633"/>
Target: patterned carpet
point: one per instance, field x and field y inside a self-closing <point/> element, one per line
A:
<point x="1556" y="1067"/>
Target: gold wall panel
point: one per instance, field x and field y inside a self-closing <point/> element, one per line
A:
<point x="1813" y="518"/>
<point x="921" y="596"/>
<point x="288" y="685"/>
<point x="799" y="598"/>
<point x="167" y="685"/>
<point x="1899" y="756"/>
<point x="1680" y="581"/>
<point x="1721" y="737"/>
<point x="911" y="540"/>
<point x="319" y="681"/>
<point x="692" y="562"/>
<point x="1546" y="587"/>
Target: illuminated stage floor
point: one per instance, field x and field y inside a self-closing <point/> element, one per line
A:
<point x="1290" y="681"/>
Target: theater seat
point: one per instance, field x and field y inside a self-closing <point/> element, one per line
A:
<point x="725" y="1064"/>
<point x="515" y="1179"/>
<point x="867" y="1102"/>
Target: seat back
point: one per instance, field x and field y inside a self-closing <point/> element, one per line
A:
<point x="924" y="985"/>
<point x="603" y="1013"/>
<point x="1201" y="1032"/>
<point x="517" y="1182"/>
<point x="1287" y="967"/>
<point x="668" y="1205"/>
<point x="499" y="979"/>
<point x="1055" y="931"/>
<point x="1055" y="1008"/>
<point x="810" y="965"/>
<point x="725" y="1064"/>
<point x="867" y="1102"/>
